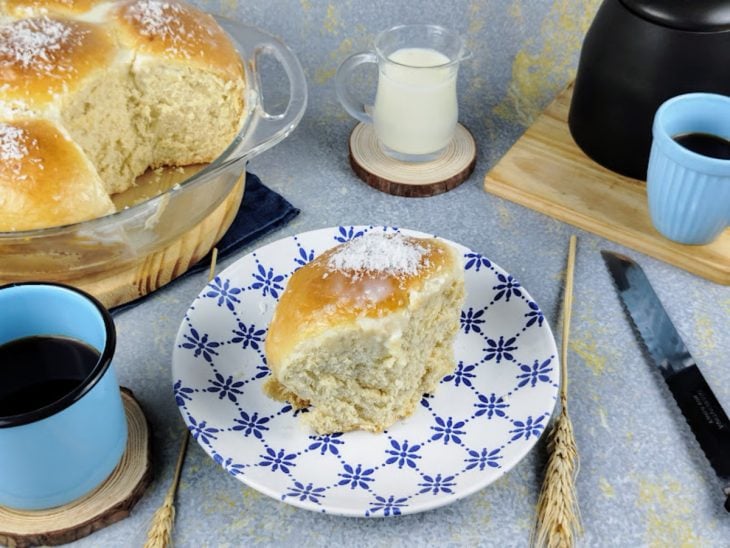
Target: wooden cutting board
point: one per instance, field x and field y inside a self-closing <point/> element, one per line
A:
<point x="546" y="171"/>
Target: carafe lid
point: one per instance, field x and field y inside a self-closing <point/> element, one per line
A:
<point x="691" y="15"/>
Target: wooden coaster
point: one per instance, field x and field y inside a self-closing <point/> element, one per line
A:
<point x="110" y="502"/>
<point x="546" y="171"/>
<point x="412" y="179"/>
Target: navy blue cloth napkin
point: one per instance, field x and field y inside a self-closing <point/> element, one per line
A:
<point x="262" y="211"/>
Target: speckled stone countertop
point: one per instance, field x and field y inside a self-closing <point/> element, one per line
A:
<point x="643" y="479"/>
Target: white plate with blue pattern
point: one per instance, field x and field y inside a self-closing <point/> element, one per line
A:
<point x="481" y="421"/>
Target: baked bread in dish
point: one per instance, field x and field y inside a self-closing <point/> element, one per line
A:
<point x="365" y="329"/>
<point x="27" y="8"/>
<point x="135" y="84"/>
<point x="46" y="178"/>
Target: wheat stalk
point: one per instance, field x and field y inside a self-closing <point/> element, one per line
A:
<point x="160" y="531"/>
<point x="558" y="517"/>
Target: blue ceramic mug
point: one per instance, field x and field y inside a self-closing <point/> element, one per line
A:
<point x="54" y="454"/>
<point x="689" y="191"/>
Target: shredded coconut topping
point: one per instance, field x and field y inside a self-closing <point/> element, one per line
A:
<point x="13" y="149"/>
<point x="12" y="143"/>
<point x="35" y="43"/>
<point x="164" y="20"/>
<point x="156" y="18"/>
<point x="390" y="254"/>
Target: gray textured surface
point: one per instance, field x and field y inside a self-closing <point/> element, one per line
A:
<point x="643" y="480"/>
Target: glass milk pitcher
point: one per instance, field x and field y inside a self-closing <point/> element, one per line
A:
<point x="416" y="107"/>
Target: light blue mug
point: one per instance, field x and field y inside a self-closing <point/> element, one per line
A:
<point x="689" y="192"/>
<point x="58" y="453"/>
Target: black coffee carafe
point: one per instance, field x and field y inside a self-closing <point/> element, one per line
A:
<point x="636" y="55"/>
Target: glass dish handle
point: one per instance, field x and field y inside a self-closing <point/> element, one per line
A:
<point x="266" y="130"/>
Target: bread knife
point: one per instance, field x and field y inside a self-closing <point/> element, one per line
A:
<point x="704" y="414"/>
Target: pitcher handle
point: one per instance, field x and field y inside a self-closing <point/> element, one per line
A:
<point x="352" y="105"/>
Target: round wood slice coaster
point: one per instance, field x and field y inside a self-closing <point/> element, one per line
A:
<point x="412" y="179"/>
<point x="110" y="502"/>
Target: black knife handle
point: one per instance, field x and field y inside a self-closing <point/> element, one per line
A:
<point x="705" y="415"/>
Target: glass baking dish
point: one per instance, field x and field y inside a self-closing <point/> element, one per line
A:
<point x="183" y="212"/>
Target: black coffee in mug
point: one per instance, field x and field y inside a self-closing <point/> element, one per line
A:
<point x="705" y="144"/>
<point x="40" y="370"/>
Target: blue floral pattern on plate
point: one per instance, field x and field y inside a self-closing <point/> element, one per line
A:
<point x="482" y="420"/>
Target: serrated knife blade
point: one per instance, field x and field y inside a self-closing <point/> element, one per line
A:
<point x="704" y="414"/>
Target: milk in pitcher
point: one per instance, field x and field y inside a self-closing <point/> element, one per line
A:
<point x="415" y="111"/>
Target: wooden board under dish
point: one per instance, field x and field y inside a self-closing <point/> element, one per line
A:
<point x="546" y="171"/>
<point x="112" y="274"/>
<point x="118" y="286"/>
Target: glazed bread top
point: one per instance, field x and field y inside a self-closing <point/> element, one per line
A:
<point x="366" y="278"/>
<point x="47" y="50"/>
<point x="43" y="58"/>
<point x="28" y="8"/>
<point x="178" y="32"/>
<point x="45" y="179"/>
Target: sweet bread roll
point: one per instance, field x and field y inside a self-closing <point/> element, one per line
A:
<point x="45" y="178"/>
<point x="29" y="8"/>
<point x="43" y="59"/>
<point x="365" y="329"/>
<point x="136" y="84"/>
<point x="188" y="77"/>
